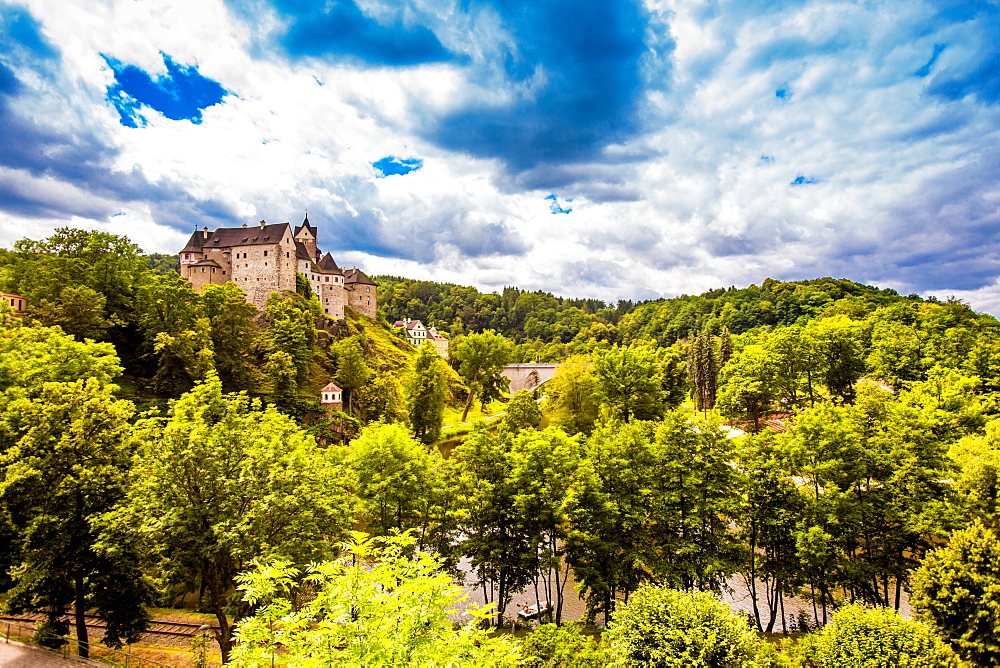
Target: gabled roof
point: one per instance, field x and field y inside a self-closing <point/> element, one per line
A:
<point x="305" y="224"/>
<point x="226" y="237"/>
<point x="408" y="324"/>
<point x="330" y="387"/>
<point x="206" y="263"/>
<point x="195" y="243"/>
<point x="328" y="266"/>
<point x="357" y="276"/>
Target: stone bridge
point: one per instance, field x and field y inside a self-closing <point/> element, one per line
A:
<point x="528" y="376"/>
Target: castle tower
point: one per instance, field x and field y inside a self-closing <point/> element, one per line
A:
<point x="306" y="235"/>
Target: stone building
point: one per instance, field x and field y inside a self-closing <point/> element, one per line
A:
<point x="265" y="258"/>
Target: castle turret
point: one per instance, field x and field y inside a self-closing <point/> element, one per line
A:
<point x="306" y="235"/>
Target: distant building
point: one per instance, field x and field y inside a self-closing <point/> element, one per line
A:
<point x="16" y="302"/>
<point x="265" y="258"/>
<point x="416" y="334"/>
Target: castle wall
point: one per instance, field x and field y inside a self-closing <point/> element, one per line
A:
<point x="263" y="269"/>
<point x="362" y="299"/>
<point x="332" y="297"/>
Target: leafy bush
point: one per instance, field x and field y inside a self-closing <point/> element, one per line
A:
<point x="551" y="646"/>
<point x="957" y="592"/>
<point x="862" y="637"/>
<point x="664" y="627"/>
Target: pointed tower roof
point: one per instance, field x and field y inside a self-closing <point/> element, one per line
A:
<point x="327" y="265"/>
<point x="306" y="225"/>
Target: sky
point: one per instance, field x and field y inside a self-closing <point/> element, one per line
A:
<point x="602" y="149"/>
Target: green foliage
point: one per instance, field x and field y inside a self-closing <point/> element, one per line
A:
<point x="33" y="356"/>
<point x="551" y="646"/>
<point x="170" y="318"/>
<point x="399" y="483"/>
<point x="572" y="396"/>
<point x="233" y="333"/>
<point x="425" y="394"/>
<point x="861" y="637"/>
<point x="353" y="373"/>
<point x="220" y="482"/>
<point x="291" y="330"/>
<point x="630" y="383"/>
<point x="160" y="263"/>
<point x="109" y="265"/>
<point x="957" y="592"/>
<point x="749" y="387"/>
<point x="79" y="311"/>
<point x="522" y="412"/>
<point x="374" y="606"/>
<point x="664" y="627"/>
<point x="65" y="470"/>
<point x="481" y="358"/>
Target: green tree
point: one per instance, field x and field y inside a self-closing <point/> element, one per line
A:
<point x="492" y="530"/>
<point x="353" y="373"/>
<point x="748" y="389"/>
<point x="860" y="637"/>
<point x="957" y="592"/>
<point x="629" y="379"/>
<point x="551" y="646"/>
<point x="233" y="334"/>
<point x="399" y="484"/>
<point x="481" y="358"/>
<point x="108" y="264"/>
<point x="703" y="369"/>
<point x="383" y="401"/>
<point x="80" y="311"/>
<point x="543" y="471"/>
<point x="291" y="330"/>
<point x="663" y="627"/>
<point x="572" y="395"/>
<point x="67" y="469"/>
<point x="219" y="483"/>
<point x="169" y="315"/>
<point x="522" y="412"/>
<point x="425" y="394"/>
<point x="374" y="606"/>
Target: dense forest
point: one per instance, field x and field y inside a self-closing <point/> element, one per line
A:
<point x="821" y="441"/>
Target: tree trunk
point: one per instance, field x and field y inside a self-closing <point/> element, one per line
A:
<point x="472" y="394"/>
<point x="80" y="612"/>
<point x="224" y="636"/>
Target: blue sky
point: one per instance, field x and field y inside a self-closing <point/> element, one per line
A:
<point x="606" y="148"/>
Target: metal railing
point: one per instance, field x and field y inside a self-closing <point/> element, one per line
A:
<point x="65" y="645"/>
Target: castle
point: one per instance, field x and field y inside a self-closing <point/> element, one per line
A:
<point x="265" y="258"/>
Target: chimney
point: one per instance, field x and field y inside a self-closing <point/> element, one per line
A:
<point x="244" y="226"/>
<point x="262" y="224"/>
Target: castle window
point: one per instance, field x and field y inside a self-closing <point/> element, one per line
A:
<point x="223" y="272"/>
<point x="265" y="253"/>
<point x="288" y="254"/>
<point x="326" y="310"/>
<point x="327" y="278"/>
<point x="368" y="289"/>
<point x="213" y="270"/>
<point x="203" y="270"/>
<point x="265" y="264"/>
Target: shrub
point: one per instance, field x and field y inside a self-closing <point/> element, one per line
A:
<point x="862" y="637"/>
<point x="664" y="627"/>
<point x="551" y="646"/>
<point x="957" y="592"/>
